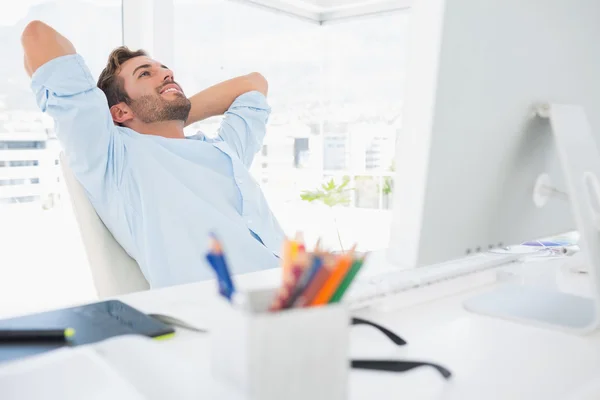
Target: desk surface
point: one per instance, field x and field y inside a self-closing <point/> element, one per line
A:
<point x="490" y="358"/>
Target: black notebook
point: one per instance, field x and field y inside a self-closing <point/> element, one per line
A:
<point x="92" y="323"/>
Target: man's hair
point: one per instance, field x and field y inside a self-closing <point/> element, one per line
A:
<point x="109" y="81"/>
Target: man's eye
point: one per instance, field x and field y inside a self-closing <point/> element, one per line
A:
<point x="144" y="73"/>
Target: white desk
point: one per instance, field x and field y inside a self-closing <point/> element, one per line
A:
<point x="490" y="359"/>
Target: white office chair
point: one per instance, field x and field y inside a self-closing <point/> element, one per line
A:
<point x="114" y="272"/>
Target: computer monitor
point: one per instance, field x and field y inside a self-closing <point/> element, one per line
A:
<point x="473" y="148"/>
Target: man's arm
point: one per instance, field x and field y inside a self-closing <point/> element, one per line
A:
<point x="217" y="99"/>
<point x="41" y="44"/>
<point x="65" y="89"/>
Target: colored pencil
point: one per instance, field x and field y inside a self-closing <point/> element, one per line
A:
<point x="290" y="252"/>
<point x="316" y="282"/>
<point x="314" y="264"/>
<point x="286" y="289"/>
<point x="347" y="281"/>
<point x="344" y="262"/>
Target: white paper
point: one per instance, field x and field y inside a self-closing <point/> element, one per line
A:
<point x="64" y="374"/>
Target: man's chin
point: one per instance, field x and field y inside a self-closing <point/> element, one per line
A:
<point x="178" y="110"/>
<point x="150" y="110"/>
<point x="173" y="96"/>
<point x="179" y="98"/>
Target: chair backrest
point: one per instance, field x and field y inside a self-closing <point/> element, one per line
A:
<point x="114" y="272"/>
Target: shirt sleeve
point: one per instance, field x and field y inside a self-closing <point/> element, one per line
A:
<point x="244" y="126"/>
<point x="64" y="88"/>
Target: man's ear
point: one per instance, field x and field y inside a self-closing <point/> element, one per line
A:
<point x="121" y="113"/>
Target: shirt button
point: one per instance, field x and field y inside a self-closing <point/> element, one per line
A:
<point x="249" y="221"/>
<point x="239" y="181"/>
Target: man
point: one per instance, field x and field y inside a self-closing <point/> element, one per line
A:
<point x="159" y="193"/>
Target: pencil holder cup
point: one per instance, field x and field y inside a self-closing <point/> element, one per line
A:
<point x="299" y="353"/>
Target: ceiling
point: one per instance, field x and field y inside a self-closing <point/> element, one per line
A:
<point x="323" y="11"/>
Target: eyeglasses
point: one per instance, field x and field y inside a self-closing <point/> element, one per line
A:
<point x="398" y="366"/>
<point x="391" y="335"/>
<point x="393" y="365"/>
<point x="374" y="365"/>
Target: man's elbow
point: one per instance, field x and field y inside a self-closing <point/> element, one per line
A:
<point x="259" y="82"/>
<point x="33" y="32"/>
<point x="41" y="43"/>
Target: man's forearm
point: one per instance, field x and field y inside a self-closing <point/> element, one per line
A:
<point x="218" y="98"/>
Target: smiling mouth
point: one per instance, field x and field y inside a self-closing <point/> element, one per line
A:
<point x="171" y="88"/>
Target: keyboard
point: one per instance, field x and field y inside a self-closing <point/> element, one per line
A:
<point x="481" y="269"/>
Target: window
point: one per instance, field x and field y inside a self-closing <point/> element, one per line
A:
<point x="301" y="152"/>
<point x="42" y="260"/>
<point x="364" y="68"/>
<point x="8" y="182"/>
<point x="336" y="98"/>
<point x="19" y="144"/>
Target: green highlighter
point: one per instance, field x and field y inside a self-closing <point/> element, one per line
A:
<point x="36" y="335"/>
<point x="89" y="323"/>
<point x="343" y="287"/>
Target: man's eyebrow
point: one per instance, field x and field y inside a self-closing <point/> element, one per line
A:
<point x="141" y="66"/>
<point x="164" y="66"/>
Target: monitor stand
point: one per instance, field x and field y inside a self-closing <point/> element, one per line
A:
<point x="580" y="160"/>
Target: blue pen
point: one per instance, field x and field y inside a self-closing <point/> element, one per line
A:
<point x="217" y="261"/>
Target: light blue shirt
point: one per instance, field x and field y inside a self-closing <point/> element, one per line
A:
<point x="162" y="197"/>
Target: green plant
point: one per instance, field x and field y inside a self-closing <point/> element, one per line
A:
<point x="331" y="194"/>
<point x="388" y="182"/>
<point x="387" y="185"/>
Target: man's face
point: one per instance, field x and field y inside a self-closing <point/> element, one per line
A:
<point x="154" y="94"/>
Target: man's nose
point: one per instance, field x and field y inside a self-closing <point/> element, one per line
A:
<point x="167" y="74"/>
